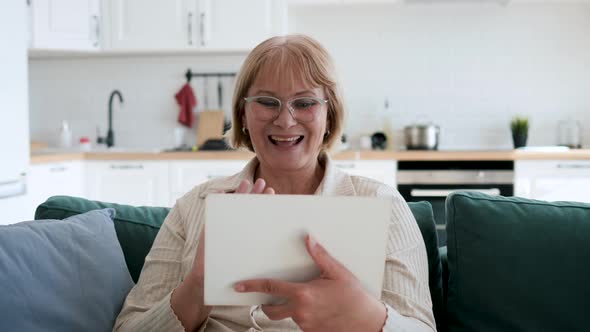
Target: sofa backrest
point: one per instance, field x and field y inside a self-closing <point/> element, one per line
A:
<point x="137" y="228"/>
<point x="517" y="264"/>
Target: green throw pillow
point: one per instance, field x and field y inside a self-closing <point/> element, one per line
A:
<point x="517" y="264"/>
<point x="136" y="227"/>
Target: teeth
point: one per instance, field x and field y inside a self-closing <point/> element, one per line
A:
<point x="281" y="139"/>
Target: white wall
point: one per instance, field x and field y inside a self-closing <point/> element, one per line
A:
<point x="468" y="68"/>
<point x="78" y="90"/>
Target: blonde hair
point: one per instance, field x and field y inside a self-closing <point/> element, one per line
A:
<point x="289" y="57"/>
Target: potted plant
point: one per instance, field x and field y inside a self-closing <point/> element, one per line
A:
<point x="520" y="129"/>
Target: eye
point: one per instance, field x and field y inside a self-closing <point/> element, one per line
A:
<point x="267" y="102"/>
<point x="304" y="103"/>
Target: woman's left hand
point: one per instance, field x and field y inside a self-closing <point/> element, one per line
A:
<point x="335" y="301"/>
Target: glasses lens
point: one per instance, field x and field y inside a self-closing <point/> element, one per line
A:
<point x="306" y="109"/>
<point x="265" y="108"/>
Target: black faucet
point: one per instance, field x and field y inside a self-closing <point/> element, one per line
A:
<point x="110" y="139"/>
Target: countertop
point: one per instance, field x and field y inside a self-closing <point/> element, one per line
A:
<point x="582" y="154"/>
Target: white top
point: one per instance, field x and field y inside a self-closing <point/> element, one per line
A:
<point x="405" y="284"/>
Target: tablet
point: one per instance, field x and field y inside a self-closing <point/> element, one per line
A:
<point x="263" y="236"/>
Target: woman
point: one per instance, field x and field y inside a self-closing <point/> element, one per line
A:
<point x="288" y="110"/>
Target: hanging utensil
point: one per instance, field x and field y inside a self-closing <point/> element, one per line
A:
<point x="206" y="92"/>
<point x="219" y="92"/>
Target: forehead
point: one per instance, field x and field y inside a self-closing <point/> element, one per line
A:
<point x="284" y="77"/>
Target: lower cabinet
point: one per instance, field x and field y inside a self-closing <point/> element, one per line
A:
<point x="128" y="182"/>
<point x="185" y="175"/>
<point x="553" y="180"/>
<point x="380" y="170"/>
<point x="43" y="181"/>
<point x="52" y="179"/>
<point x="152" y="183"/>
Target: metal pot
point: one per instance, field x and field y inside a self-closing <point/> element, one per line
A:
<point x="422" y="137"/>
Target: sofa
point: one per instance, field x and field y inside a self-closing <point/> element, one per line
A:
<point x="511" y="264"/>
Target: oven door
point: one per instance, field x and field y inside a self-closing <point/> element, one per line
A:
<point x="437" y="195"/>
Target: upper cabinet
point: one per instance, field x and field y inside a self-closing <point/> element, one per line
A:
<point x="234" y="23"/>
<point x="155" y="24"/>
<point x="65" y="24"/>
<point x="190" y="24"/>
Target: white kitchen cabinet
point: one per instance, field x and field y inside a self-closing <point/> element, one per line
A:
<point x="65" y="24"/>
<point x="380" y="170"/>
<point x="553" y="180"/>
<point x="154" y="24"/>
<point x="234" y="23"/>
<point x="191" y="24"/>
<point x="185" y="175"/>
<point x="52" y="179"/>
<point x="128" y="182"/>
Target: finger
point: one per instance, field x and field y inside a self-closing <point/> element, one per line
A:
<point x="259" y="186"/>
<point x="329" y="266"/>
<point x="276" y="312"/>
<point x="244" y="187"/>
<point x="269" y="191"/>
<point x="267" y="286"/>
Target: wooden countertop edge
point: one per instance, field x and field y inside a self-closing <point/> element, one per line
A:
<point x="345" y="155"/>
<point x="55" y="157"/>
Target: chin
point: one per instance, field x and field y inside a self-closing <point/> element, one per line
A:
<point x="293" y="160"/>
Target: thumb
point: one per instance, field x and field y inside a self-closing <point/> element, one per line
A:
<point x="329" y="266"/>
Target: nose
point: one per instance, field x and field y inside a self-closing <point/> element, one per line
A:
<point x="285" y="119"/>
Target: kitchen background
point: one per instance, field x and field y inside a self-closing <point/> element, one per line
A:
<point x="468" y="67"/>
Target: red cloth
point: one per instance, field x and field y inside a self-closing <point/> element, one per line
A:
<point x="187" y="101"/>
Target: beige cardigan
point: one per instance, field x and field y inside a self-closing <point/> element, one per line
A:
<point x="405" y="286"/>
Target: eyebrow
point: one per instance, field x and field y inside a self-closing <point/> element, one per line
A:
<point x="258" y="92"/>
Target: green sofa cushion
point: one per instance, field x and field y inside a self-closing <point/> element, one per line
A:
<point x="517" y="264"/>
<point x="422" y="211"/>
<point x="136" y="227"/>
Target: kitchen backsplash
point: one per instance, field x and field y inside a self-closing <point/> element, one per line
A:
<point x="467" y="68"/>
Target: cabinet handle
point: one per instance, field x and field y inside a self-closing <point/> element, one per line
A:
<point x="190" y="28"/>
<point x="202" y="29"/>
<point x="574" y="166"/>
<point x="96" y="30"/>
<point x="126" y="167"/>
<point x="345" y="166"/>
<point x="58" y="169"/>
<point x="447" y="192"/>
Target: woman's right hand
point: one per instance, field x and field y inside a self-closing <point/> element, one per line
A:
<point x="187" y="299"/>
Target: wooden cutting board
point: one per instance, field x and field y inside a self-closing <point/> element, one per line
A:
<point x="210" y="125"/>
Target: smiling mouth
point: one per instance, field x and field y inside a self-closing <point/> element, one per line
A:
<point x="285" y="141"/>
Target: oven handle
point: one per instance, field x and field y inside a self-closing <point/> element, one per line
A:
<point x="446" y="192"/>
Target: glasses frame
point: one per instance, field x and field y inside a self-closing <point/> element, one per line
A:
<point x="290" y="108"/>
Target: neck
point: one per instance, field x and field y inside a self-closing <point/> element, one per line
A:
<point x="303" y="181"/>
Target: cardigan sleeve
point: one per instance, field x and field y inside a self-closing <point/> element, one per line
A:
<point x="405" y="285"/>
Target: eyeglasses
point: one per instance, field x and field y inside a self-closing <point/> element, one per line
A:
<point x="302" y="109"/>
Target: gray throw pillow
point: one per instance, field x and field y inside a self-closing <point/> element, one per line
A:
<point x="62" y="275"/>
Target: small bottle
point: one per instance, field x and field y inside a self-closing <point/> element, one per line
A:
<point x="65" y="135"/>
<point x="85" y="144"/>
<point x="388" y="125"/>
